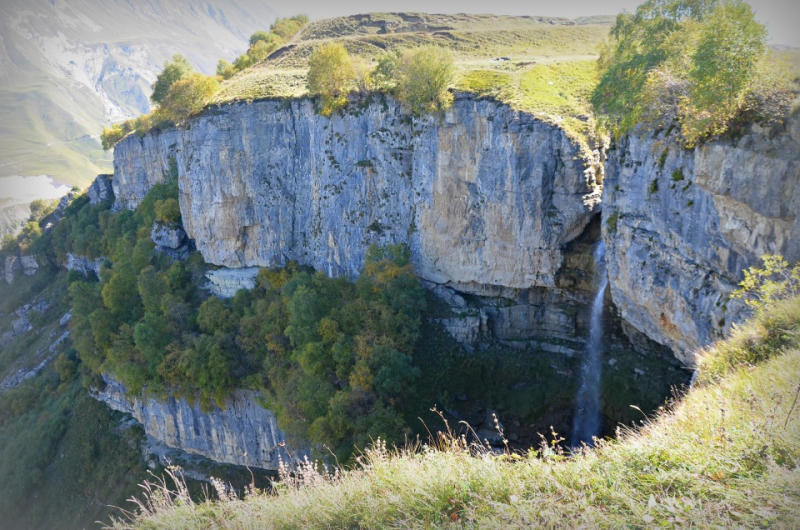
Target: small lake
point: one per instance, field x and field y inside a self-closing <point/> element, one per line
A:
<point x="17" y="189"/>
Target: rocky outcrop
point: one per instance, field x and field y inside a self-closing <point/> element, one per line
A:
<point x="242" y="433"/>
<point x="29" y="265"/>
<point x="468" y="330"/>
<point x="100" y="190"/>
<point x="224" y="282"/>
<point x="483" y="195"/>
<point x="84" y="265"/>
<point x="682" y="224"/>
<point x="13" y="265"/>
<point x="56" y="215"/>
<point x="22" y="324"/>
<point x="167" y="236"/>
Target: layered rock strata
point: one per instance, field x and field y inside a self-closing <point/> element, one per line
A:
<point x="483" y="195"/>
<point x="100" y="190"/>
<point x="680" y="225"/>
<point x="242" y="433"/>
<point x="225" y="282"/>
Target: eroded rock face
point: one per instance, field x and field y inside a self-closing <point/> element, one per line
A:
<point x="225" y="282"/>
<point x="29" y="265"/>
<point x="100" y="190"/>
<point x="84" y="265"/>
<point x="483" y="195"/>
<point x="243" y="433"/>
<point x="681" y="225"/>
<point x="168" y="236"/>
<point x="12" y="267"/>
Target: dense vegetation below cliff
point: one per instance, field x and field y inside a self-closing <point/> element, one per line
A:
<point x="727" y="454"/>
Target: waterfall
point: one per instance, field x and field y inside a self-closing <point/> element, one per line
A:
<point x="587" y="413"/>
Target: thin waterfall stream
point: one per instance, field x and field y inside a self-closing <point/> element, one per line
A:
<point x="587" y="422"/>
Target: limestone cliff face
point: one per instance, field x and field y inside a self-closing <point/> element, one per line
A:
<point x="483" y="195"/>
<point x="681" y="225"/>
<point x="243" y="433"/>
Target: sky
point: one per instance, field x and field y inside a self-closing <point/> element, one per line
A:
<point x="780" y="16"/>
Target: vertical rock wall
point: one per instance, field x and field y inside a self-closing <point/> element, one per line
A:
<point x="680" y="225"/>
<point x="483" y="195"/>
<point x="243" y="433"/>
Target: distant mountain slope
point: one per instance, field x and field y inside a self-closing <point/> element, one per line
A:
<point x="69" y="67"/>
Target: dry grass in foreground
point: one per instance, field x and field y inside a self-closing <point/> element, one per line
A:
<point x="727" y="455"/>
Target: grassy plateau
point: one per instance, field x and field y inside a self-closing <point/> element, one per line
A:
<point x="540" y="65"/>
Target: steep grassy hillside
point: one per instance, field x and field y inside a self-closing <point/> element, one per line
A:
<point x="725" y="456"/>
<point x="65" y="459"/>
<point x="68" y="68"/>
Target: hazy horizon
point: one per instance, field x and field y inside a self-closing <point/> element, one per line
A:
<point x="780" y="18"/>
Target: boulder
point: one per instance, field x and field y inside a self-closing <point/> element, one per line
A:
<point x="168" y="236"/>
<point x="29" y="265"/>
<point x="84" y="265"/>
<point x="225" y="282"/>
<point x="101" y="190"/>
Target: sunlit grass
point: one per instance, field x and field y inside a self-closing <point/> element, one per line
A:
<point x="727" y="455"/>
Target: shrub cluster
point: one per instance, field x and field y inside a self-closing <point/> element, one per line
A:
<point x="179" y="92"/>
<point x="703" y="64"/>
<point x="334" y="356"/>
<point x="420" y="77"/>
<point x="262" y="44"/>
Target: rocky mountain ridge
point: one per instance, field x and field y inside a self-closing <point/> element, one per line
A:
<point x="68" y="68"/>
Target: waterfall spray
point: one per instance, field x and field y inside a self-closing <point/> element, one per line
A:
<point x="587" y="414"/>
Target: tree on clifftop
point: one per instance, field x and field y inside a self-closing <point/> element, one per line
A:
<point x="692" y="63"/>
<point x="174" y="70"/>
<point x="188" y="96"/>
<point x="330" y="75"/>
<point x="423" y="77"/>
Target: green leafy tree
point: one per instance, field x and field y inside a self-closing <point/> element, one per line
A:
<point x="730" y="47"/>
<point x="261" y="50"/>
<point x="243" y="62"/>
<point x="174" y="70"/>
<point x="214" y="316"/>
<point x="763" y="287"/>
<point x="694" y="63"/>
<point x="330" y="75"/>
<point x="424" y="76"/>
<point x="151" y="336"/>
<point x="383" y="74"/>
<point x="110" y="136"/>
<point x="168" y="211"/>
<point x="152" y="288"/>
<point x="225" y="69"/>
<point x="121" y="294"/>
<point x="260" y="36"/>
<point x="639" y="44"/>
<point x="40" y="208"/>
<point x="286" y="28"/>
<point x="188" y="96"/>
<point x="363" y="80"/>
